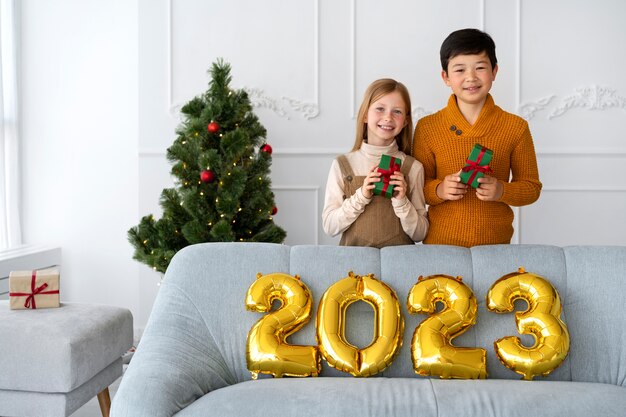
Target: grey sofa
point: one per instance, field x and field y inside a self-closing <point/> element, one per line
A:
<point x="191" y="360"/>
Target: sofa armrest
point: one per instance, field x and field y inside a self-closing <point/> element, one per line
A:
<point x="177" y="361"/>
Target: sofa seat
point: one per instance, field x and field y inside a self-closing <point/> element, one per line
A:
<point x="402" y="397"/>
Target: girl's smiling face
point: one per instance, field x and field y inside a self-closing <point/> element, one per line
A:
<point x="386" y="117"/>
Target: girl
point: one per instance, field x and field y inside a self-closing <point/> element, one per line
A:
<point x="383" y="126"/>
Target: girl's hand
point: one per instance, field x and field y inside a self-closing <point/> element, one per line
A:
<point x="490" y="189"/>
<point x="399" y="185"/>
<point x="451" y="188"/>
<point x="368" y="183"/>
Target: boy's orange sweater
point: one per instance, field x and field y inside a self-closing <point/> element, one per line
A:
<point x="442" y="143"/>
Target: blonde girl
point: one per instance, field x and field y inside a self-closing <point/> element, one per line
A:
<point x="384" y="126"/>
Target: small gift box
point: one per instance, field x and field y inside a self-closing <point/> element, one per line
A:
<point x="387" y="166"/>
<point x="477" y="165"/>
<point x="34" y="289"/>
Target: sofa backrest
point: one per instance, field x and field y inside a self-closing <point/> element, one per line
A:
<point x="201" y="303"/>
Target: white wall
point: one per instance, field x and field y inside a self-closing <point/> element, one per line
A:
<point x="103" y="83"/>
<point x="79" y="141"/>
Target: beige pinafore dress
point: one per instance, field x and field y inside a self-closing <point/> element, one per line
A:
<point x="378" y="225"/>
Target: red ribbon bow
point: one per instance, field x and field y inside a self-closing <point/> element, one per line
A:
<point x="30" y="297"/>
<point x="387" y="173"/>
<point x="473" y="166"/>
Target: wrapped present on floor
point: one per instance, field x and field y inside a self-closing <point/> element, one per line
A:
<point x="477" y="165"/>
<point x="387" y="166"/>
<point x="34" y="289"/>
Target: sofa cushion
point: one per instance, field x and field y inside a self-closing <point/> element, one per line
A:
<point x="594" y="304"/>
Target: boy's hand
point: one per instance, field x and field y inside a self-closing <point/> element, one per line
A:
<point x="399" y="185"/>
<point x="451" y="188"/>
<point x="368" y="183"/>
<point x="490" y="189"/>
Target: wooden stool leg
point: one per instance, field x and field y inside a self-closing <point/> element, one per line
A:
<point x="104" y="399"/>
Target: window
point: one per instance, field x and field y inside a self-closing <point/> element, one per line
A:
<point x="10" y="230"/>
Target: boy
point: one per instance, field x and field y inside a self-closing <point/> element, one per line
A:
<point x="458" y="214"/>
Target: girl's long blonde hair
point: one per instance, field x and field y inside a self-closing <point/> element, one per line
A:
<point x="376" y="90"/>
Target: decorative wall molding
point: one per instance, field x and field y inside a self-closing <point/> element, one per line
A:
<point x="333" y="152"/>
<point x="259" y="99"/>
<point x="418" y="112"/>
<point x="517" y="224"/>
<point x="310" y="189"/>
<point x="528" y="110"/>
<point x="482" y="11"/>
<point x="353" y="59"/>
<point x="307" y="109"/>
<point x="280" y="152"/>
<point x="586" y="189"/>
<point x="592" y="97"/>
<point x="586" y="153"/>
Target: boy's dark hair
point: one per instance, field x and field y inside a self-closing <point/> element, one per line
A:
<point x="467" y="42"/>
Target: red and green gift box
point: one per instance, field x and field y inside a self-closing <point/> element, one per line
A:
<point x="477" y="165"/>
<point x="387" y="166"/>
<point x="34" y="289"/>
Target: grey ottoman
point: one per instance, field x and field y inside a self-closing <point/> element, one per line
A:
<point x="52" y="361"/>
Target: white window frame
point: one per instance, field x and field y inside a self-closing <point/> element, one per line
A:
<point x="10" y="198"/>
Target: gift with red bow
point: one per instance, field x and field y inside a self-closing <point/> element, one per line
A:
<point x="34" y="289"/>
<point x="387" y="167"/>
<point x="477" y="165"/>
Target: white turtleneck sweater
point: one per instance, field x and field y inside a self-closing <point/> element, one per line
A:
<point x="339" y="214"/>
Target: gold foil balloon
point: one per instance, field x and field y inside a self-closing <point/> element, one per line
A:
<point x="541" y="319"/>
<point x="431" y="348"/>
<point x="388" y="325"/>
<point x="267" y="351"/>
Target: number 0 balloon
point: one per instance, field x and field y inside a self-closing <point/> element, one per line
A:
<point x="388" y="325"/>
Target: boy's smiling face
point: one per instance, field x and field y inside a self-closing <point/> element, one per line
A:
<point x="470" y="77"/>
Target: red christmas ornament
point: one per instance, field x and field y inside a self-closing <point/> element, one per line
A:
<point x="267" y="149"/>
<point x="207" y="176"/>
<point x="213" y="127"/>
<point x="274" y="211"/>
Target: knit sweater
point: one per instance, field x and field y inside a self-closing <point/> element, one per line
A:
<point x="341" y="211"/>
<point x="443" y="142"/>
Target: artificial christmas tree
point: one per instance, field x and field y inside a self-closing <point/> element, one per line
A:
<point x="221" y="170"/>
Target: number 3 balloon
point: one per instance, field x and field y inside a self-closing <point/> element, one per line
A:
<point x="541" y="319"/>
